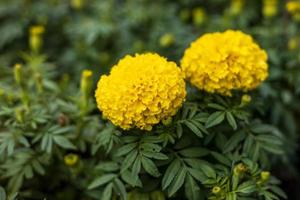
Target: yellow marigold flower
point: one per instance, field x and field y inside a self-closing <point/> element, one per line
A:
<point x="141" y="91"/>
<point x="221" y="62"/>
<point x="71" y="159"/>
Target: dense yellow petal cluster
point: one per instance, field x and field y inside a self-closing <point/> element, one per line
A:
<point x="221" y="62"/>
<point x="141" y="91"/>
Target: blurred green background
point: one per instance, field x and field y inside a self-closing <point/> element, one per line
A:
<point x="95" y="34"/>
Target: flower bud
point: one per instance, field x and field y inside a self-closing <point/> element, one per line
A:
<point x="71" y="159"/>
<point x="246" y="99"/>
<point x="167" y="121"/>
<point x="199" y="16"/>
<point x="167" y="40"/>
<point x="77" y="4"/>
<point x="270" y="8"/>
<point x="86" y="83"/>
<point x="39" y="82"/>
<point x="239" y="169"/>
<point x="236" y="7"/>
<point x="18" y="73"/>
<point x="35" y="38"/>
<point x="265" y="175"/>
<point x="216" y="190"/>
<point x="293" y="43"/>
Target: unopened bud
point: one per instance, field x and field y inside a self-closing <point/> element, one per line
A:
<point x="199" y="16"/>
<point x="18" y="73"/>
<point x="71" y="159"/>
<point x="167" y="40"/>
<point x="265" y="175"/>
<point x="35" y="38"/>
<point x="246" y="99"/>
<point x="216" y="190"/>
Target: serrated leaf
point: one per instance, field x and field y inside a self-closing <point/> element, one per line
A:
<point x="231" y="120"/>
<point x="101" y="180"/>
<point x="150" y="167"/>
<point x="194" y="128"/>
<point x="247" y="187"/>
<point x="155" y="155"/>
<point x="125" y="149"/>
<point x="120" y="188"/>
<point x="177" y="182"/>
<point x="169" y="174"/>
<point x="129" y="159"/>
<point x="63" y="142"/>
<point x="107" y="192"/>
<point x="215" y="119"/>
<point x="233" y="141"/>
<point x="192" y="190"/>
<point x="131" y="179"/>
<point x="194" y="152"/>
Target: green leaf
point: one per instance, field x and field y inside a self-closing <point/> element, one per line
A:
<point x="150" y="167"/>
<point x="108" y="166"/>
<point x="177" y="182"/>
<point x="2" y="193"/>
<point x="179" y="130"/>
<point x="125" y="149"/>
<point x="155" y="155"/>
<point x="129" y="178"/>
<point x="194" y="128"/>
<point x="234" y="141"/>
<point x="194" y="152"/>
<point x="221" y="158"/>
<point x="120" y="188"/>
<point x="247" y="187"/>
<point x="203" y="165"/>
<point x="231" y="120"/>
<point x="101" y="180"/>
<point x="192" y="190"/>
<point x="63" y="142"/>
<point x="216" y="106"/>
<point x="129" y="159"/>
<point x="170" y="173"/>
<point x="197" y="174"/>
<point x="107" y="192"/>
<point x="215" y="119"/>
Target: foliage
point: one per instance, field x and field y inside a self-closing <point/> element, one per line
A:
<point x="215" y="147"/>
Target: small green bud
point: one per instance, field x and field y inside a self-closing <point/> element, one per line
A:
<point x="216" y="190"/>
<point x="246" y="99"/>
<point x="167" y="40"/>
<point x="39" y="82"/>
<point x="71" y="159"/>
<point x="167" y="121"/>
<point x="239" y="169"/>
<point x="35" y="38"/>
<point x="18" y="73"/>
<point x="199" y="16"/>
<point x="85" y="87"/>
<point x="265" y="175"/>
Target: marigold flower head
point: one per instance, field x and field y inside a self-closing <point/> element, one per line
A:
<point x="141" y="91"/>
<point x="293" y="7"/>
<point x="221" y="62"/>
